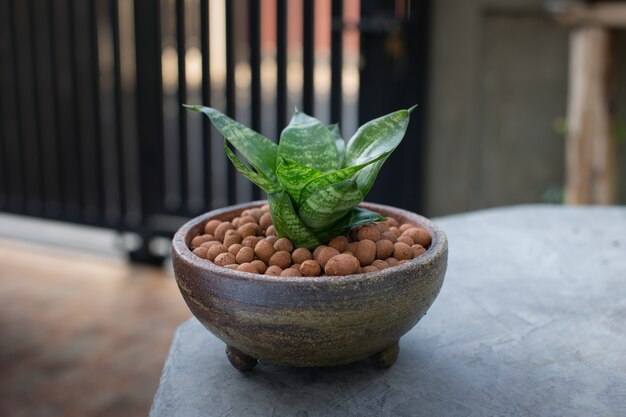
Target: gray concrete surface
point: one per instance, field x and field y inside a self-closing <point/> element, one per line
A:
<point x="531" y="321"/>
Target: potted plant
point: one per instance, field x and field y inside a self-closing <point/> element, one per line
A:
<point x="313" y="276"/>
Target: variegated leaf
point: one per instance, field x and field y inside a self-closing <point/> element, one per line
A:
<point x="267" y="185"/>
<point x="328" y="205"/>
<point x="307" y="141"/>
<point x="335" y="177"/>
<point x="355" y="218"/>
<point x="374" y="138"/>
<point x="287" y="222"/>
<point x="259" y="151"/>
<point x="339" y="142"/>
<point x="294" y="177"/>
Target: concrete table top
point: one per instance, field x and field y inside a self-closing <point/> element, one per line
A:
<point x="531" y="321"/>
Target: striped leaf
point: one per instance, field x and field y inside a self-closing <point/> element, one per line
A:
<point x="267" y="185"/>
<point x="307" y="141"/>
<point x="294" y="177"/>
<point x="328" y="205"/>
<point x="355" y="218"/>
<point x="335" y="177"/>
<point x="287" y="222"/>
<point x="339" y="142"/>
<point x="376" y="137"/>
<point x="260" y="152"/>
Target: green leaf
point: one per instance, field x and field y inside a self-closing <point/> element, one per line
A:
<point x="355" y="218"/>
<point x="339" y="142"/>
<point x="257" y="149"/>
<point x="287" y="222"/>
<point x="267" y="185"/>
<point x="307" y="141"/>
<point x="335" y="177"/>
<point x="294" y="177"/>
<point x="374" y="138"/>
<point x="326" y="206"/>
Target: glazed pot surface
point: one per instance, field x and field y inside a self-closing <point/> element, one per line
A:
<point x="309" y="321"/>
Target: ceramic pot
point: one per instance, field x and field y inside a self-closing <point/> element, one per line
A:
<point x="309" y="321"/>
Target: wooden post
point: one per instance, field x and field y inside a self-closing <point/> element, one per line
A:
<point x="590" y="149"/>
<point x="591" y="160"/>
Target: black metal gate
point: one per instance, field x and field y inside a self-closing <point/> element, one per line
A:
<point x="91" y="127"/>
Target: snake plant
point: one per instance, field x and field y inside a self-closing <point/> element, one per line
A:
<point x="313" y="180"/>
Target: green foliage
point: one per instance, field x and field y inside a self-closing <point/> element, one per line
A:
<point x="314" y="181"/>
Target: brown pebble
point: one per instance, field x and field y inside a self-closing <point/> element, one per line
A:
<point x="341" y="265"/>
<point x="215" y="250"/>
<point x="234" y="249"/>
<point x="274" y="270"/>
<point x="272" y="239"/>
<point x="281" y="258"/>
<point x="366" y="252"/>
<point x="402" y="251"/>
<point x="310" y="268"/>
<point x="290" y="272"/>
<point x="201" y="252"/>
<point x="325" y="254"/>
<point x="417" y="250"/>
<point x="260" y="265"/>
<point x="248" y="229"/>
<point x="420" y="236"/>
<point x="380" y="264"/>
<point x="250" y="241"/>
<point x="384" y="249"/>
<point x="265" y="221"/>
<point x="369" y="268"/>
<point x="264" y="250"/>
<point x="283" y="244"/>
<point x="224" y="259"/>
<point x="232" y="237"/>
<point x="368" y="232"/>
<point x="257" y="213"/>
<point x="220" y="231"/>
<point x="199" y="240"/>
<point x="339" y="242"/>
<point x="246" y="220"/>
<point x="245" y="255"/>
<point x="211" y="243"/>
<point x="317" y="250"/>
<point x="248" y="267"/>
<point x="389" y="236"/>
<point x="392" y="261"/>
<point x="209" y="228"/>
<point x="300" y="255"/>
<point x="405" y="239"/>
<point x="270" y="231"/>
<point x="232" y="266"/>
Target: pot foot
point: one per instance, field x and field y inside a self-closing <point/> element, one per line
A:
<point x="386" y="357"/>
<point x="240" y="360"/>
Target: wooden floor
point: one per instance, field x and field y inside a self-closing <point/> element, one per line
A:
<point x="81" y="335"/>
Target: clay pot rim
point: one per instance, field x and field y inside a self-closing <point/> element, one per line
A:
<point x="180" y="248"/>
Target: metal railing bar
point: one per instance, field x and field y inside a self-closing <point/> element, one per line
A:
<point x="182" y="99"/>
<point x="117" y="93"/>
<point x="336" y="62"/>
<point x="308" y="56"/>
<point x="205" y="51"/>
<point x="254" y="39"/>
<point x="230" y="92"/>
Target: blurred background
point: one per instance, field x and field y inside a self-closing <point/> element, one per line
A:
<point x="99" y="163"/>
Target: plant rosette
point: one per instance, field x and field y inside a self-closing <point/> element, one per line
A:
<point x="313" y="276"/>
